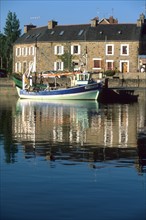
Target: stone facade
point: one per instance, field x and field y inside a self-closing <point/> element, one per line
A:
<point x="45" y="56"/>
<point x="97" y="55"/>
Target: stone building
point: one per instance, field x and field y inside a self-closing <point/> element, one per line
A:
<point x="96" y="47"/>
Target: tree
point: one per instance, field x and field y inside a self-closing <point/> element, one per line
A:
<point x="12" y="32"/>
<point x="2" y="51"/>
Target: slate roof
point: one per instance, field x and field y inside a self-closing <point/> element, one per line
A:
<point x="82" y="32"/>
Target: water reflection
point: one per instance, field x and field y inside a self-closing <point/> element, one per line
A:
<point x="76" y="130"/>
<point x="73" y="130"/>
<point x="79" y="122"/>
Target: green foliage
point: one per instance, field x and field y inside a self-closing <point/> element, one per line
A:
<point x="67" y="60"/>
<point x="11" y="33"/>
<point x="2" y="51"/>
<point x="109" y="72"/>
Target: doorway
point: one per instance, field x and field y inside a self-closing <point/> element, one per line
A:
<point x="124" y="66"/>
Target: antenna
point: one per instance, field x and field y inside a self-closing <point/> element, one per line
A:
<point x="112" y="12"/>
<point x="35" y="17"/>
<point x="98" y="12"/>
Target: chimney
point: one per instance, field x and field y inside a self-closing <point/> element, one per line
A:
<point x="112" y="20"/>
<point x="94" y="22"/>
<point x="141" y="20"/>
<point x="52" y="24"/>
<point x="28" y="27"/>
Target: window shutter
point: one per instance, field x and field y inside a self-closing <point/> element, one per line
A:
<point x="55" y="66"/>
<point x="19" y="67"/>
<point x="72" y="47"/>
<point x="16" y="67"/>
<point x="55" y="50"/>
<point x="62" y="50"/>
<point x="62" y="65"/>
<point x="79" y="49"/>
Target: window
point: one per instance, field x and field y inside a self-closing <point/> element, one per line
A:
<point x="25" y="51"/>
<point x="75" y="65"/>
<point x="31" y="50"/>
<point x="80" y="32"/>
<point x="124" y="49"/>
<point x="61" y="33"/>
<point x="24" y="66"/>
<point x="22" y="51"/>
<point x="97" y="63"/>
<point x="31" y="66"/>
<point x="52" y="32"/>
<point x="59" y="50"/>
<point x="109" y="49"/>
<point x="75" y="49"/>
<point x="58" y="66"/>
<point x="18" y="67"/>
<point x="109" y="64"/>
<point x="18" y="51"/>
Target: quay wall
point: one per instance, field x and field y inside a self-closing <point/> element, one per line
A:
<point x="7" y="87"/>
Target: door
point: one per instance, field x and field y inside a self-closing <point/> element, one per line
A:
<point x="124" y="66"/>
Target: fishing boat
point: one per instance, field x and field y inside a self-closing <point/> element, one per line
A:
<point x="17" y="79"/>
<point x="82" y="87"/>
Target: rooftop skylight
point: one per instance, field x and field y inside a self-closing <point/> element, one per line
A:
<point x="28" y="36"/>
<point x="61" y="33"/>
<point x="80" y="32"/>
<point x="52" y="32"/>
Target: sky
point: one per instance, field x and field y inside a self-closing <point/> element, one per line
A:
<point x="39" y="12"/>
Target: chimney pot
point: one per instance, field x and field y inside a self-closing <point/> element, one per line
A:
<point x="52" y="24"/>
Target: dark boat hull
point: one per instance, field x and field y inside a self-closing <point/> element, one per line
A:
<point x="120" y="96"/>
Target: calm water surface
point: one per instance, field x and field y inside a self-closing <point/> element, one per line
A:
<point x="72" y="160"/>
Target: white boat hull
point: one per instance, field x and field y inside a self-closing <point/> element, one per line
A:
<point x="86" y="92"/>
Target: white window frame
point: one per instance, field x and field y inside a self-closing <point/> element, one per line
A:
<point x="24" y="63"/>
<point x="124" y="45"/>
<point x="73" y="49"/>
<point x="18" y="51"/>
<point x="25" y="51"/>
<point x="22" y="51"/>
<point x="18" y="67"/>
<point x="31" y="66"/>
<point x="110" y="45"/>
<point x="76" y="65"/>
<point x="124" y="61"/>
<point x="110" y="61"/>
<point x="31" y="50"/>
<point x="97" y="68"/>
<point x="58" y="65"/>
<point x="59" y="50"/>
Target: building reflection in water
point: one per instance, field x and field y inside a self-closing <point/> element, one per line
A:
<point x="77" y="130"/>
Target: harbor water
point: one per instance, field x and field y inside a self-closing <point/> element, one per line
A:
<point x="72" y="160"/>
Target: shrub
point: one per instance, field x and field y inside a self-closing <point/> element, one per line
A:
<point x="109" y="72"/>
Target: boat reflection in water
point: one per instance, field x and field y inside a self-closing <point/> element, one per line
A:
<point x="76" y="130"/>
<point x="52" y="126"/>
